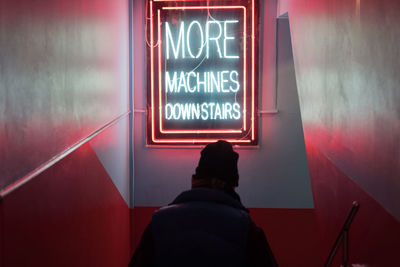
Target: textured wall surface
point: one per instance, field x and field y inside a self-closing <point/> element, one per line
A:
<point x="374" y="237"/>
<point x="64" y="161"/>
<point x="63" y="75"/>
<point x="112" y="149"/>
<point x="274" y="175"/>
<point x="347" y="57"/>
<point x="1" y="233"/>
<point x="72" y="214"/>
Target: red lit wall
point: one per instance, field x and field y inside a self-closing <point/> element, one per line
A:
<point x="374" y="234"/>
<point x="64" y="78"/>
<point x="72" y="214"/>
<point x="64" y="162"/>
<point x="345" y="58"/>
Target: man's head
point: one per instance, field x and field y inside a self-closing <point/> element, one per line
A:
<point x="218" y="162"/>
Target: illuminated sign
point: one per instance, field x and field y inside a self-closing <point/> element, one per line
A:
<point x="202" y="71"/>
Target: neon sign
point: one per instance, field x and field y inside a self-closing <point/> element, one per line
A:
<point x="202" y="71"/>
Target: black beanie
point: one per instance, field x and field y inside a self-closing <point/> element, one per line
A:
<point x="218" y="160"/>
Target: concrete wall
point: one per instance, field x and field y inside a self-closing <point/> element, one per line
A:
<point x="347" y="59"/>
<point x="64" y="147"/>
<point x="63" y="73"/>
<point x="64" y="134"/>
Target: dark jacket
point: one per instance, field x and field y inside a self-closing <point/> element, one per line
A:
<point x="203" y="227"/>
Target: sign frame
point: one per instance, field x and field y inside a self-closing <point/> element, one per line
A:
<point x="247" y="134"/>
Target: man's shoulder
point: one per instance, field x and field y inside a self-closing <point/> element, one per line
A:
<point x="207" y="195"/>
<point x="198" y="208"/>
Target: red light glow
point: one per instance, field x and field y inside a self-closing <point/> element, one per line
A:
<point x="252" y="68"/>
<point x="159" y="41"/>
<point x="194" y="136"/>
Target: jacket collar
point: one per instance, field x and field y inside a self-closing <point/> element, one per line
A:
<point x="208" y="195"/>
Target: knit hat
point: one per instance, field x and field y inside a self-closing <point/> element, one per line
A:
<point x="218" y="160"/>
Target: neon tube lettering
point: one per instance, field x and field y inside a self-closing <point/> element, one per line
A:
<point x="181" y="37"/>
<point x="204" y="82"/>
<point x="176" y="115"/>
<point x="168" y="111"/>
<point x="182" y="82"/>
<point x="204" y="111"/>
<point x="215" y="81"/>
<point x="226" y="37"/>
<point x="223" y="81"/>
<point x="208" y="38"/>
<point x="188" y="39"/>
<point x="228" y="110"/>
<point x="191" y="89"/>
<point x="196" y="111"/>
<point x="235" y="80"/>
<point x="185" y="111"/>
<point x="217" y="112"/>
<point x="172" y="86"/>
<point x="211" y="105"/>
<point x="236" y="109"/>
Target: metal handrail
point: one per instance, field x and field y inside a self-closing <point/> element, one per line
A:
<point x="343" y="238"/>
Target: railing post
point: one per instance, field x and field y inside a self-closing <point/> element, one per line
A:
<point x="345" y="244"/>
<point x="343" y="238"/>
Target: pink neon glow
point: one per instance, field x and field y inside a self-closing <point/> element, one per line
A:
<point x="175" y="0"/>
<point x="152" y="72"/>
<point x="244" y="73"/>
<point x="179" y="0"/>
<point x="252" y="69"/>
<point x="193" y="141"/>
<point x="160" y="96"/>
<point x="162" y="130"/>
<point x="200" y="140"/>
<point x="187" y="0"/>
<point x="202" y="7"/>
<point x="159" y="70"/>
<point x="201" y="131"/>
